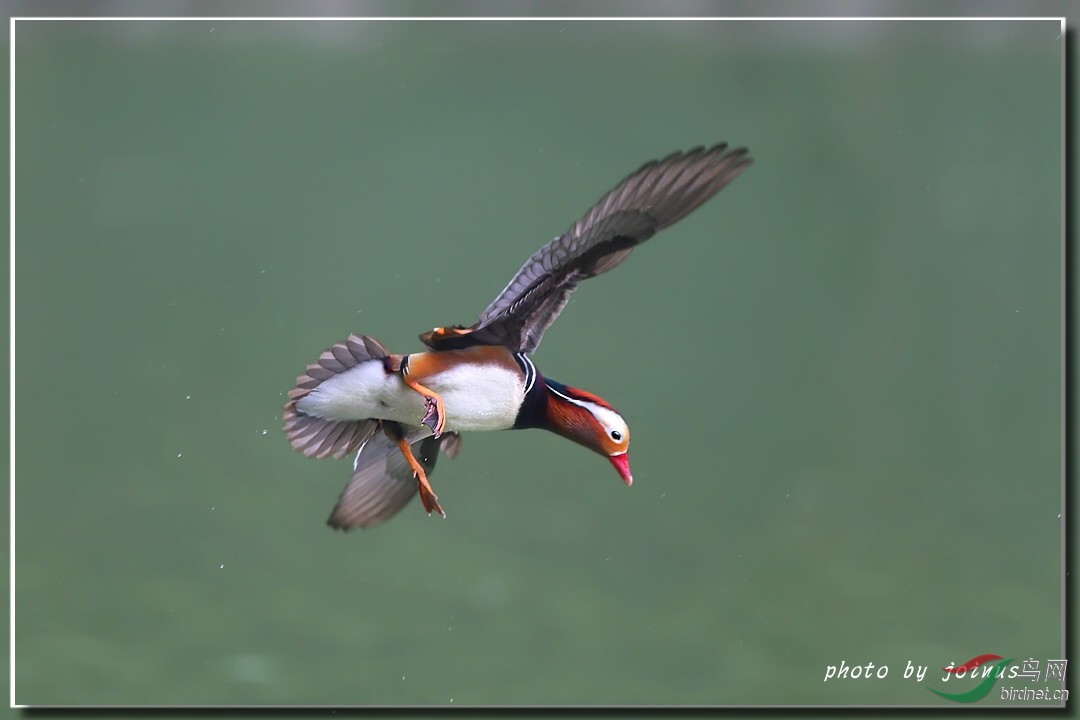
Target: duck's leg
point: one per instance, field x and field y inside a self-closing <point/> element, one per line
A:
<point x="434" y="412"/>
<point x="434" y="415"/>
<point x="427" y="495"/>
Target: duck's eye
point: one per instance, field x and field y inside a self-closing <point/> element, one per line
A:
<point x="616" y="435"/>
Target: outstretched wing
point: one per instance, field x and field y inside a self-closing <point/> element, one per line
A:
<point x="382" y="482"/>
<point x="657" y="195"/>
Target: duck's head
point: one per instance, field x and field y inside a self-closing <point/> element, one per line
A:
<point x="588" y="420"/>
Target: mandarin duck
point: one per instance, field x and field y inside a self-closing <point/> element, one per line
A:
<point x="398" y="412"/>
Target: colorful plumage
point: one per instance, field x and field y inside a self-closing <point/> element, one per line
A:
<point x="398" y="412"/>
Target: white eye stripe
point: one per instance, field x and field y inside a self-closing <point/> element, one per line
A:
<point x="566" y="397"/>
<point x="610" y="419"/>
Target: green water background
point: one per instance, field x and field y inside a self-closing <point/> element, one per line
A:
<point x="842" y="375"/>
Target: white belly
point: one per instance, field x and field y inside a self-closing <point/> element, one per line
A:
<point x="475" y="397"/>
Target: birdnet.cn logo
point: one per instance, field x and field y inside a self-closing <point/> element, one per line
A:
<point x="971" y="681"/>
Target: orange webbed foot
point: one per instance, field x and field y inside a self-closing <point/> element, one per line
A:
<point x="434" y="416"/>
<point x="427" y="495"/>
<point x="434" y="412"/>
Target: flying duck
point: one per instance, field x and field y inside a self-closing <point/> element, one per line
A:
<point x="398" y="412"/>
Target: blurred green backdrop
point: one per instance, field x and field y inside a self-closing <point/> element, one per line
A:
<point x="842" y="374"/>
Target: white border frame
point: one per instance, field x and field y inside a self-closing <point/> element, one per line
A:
<point x="12" y="23"/>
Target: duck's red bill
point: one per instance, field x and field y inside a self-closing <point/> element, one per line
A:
<point x="622" y="465"/>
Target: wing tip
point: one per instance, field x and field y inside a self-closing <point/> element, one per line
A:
<point x="383" y="484"/>
<point x="341" y="525"/>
